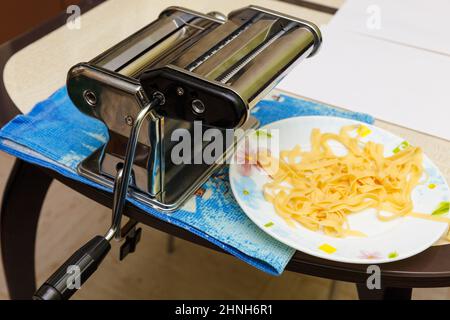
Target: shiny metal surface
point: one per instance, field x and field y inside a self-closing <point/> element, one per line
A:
<point x="119" y="100"/>
<point x="179" y="187"/>
<point x="311" y="26"/>
<point x="241" y="57"/>
<point x="261" y="72"/>
<point x="116" y="219"/>
<point x="123" y="177"/>
<point x="218" y="15"/>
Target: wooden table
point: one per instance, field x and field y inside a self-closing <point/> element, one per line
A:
<point x="35" y="64"/>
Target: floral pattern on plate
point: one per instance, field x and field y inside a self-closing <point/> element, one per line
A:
<point x="389" y="241"/>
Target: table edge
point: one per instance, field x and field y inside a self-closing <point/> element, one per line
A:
<point x="301" y="262"/>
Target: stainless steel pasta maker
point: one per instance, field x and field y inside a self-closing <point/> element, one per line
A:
<point x="182" y="68"/>
<point x="202" y="67"/>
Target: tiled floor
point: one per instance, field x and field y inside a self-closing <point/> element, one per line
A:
<point x="191" y="272"/>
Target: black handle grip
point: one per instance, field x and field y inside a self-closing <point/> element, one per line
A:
<point x="85" y="261"/>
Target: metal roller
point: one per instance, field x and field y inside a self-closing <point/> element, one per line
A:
<point x="206" y="68"/>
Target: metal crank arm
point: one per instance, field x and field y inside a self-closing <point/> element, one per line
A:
<point x="85" y="261"/>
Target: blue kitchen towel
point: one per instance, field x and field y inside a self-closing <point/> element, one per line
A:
<point x="56" y="135"/>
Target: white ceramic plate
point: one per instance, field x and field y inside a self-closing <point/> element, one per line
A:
<point x="385" y="241"/>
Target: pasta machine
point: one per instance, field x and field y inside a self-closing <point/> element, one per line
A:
<point x="182" y="69"/>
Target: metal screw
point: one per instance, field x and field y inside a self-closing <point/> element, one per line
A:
<point x="129" y="120"/>
<point x="90" y="97"/>
<point x="160" y="96"/>
<point x="180" y="91"/>
<point x="198" y="106"/>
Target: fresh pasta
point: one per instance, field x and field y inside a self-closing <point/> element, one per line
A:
<point x="319" y="188"/>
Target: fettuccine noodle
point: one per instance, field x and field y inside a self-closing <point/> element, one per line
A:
<point x="319" y="189"/>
